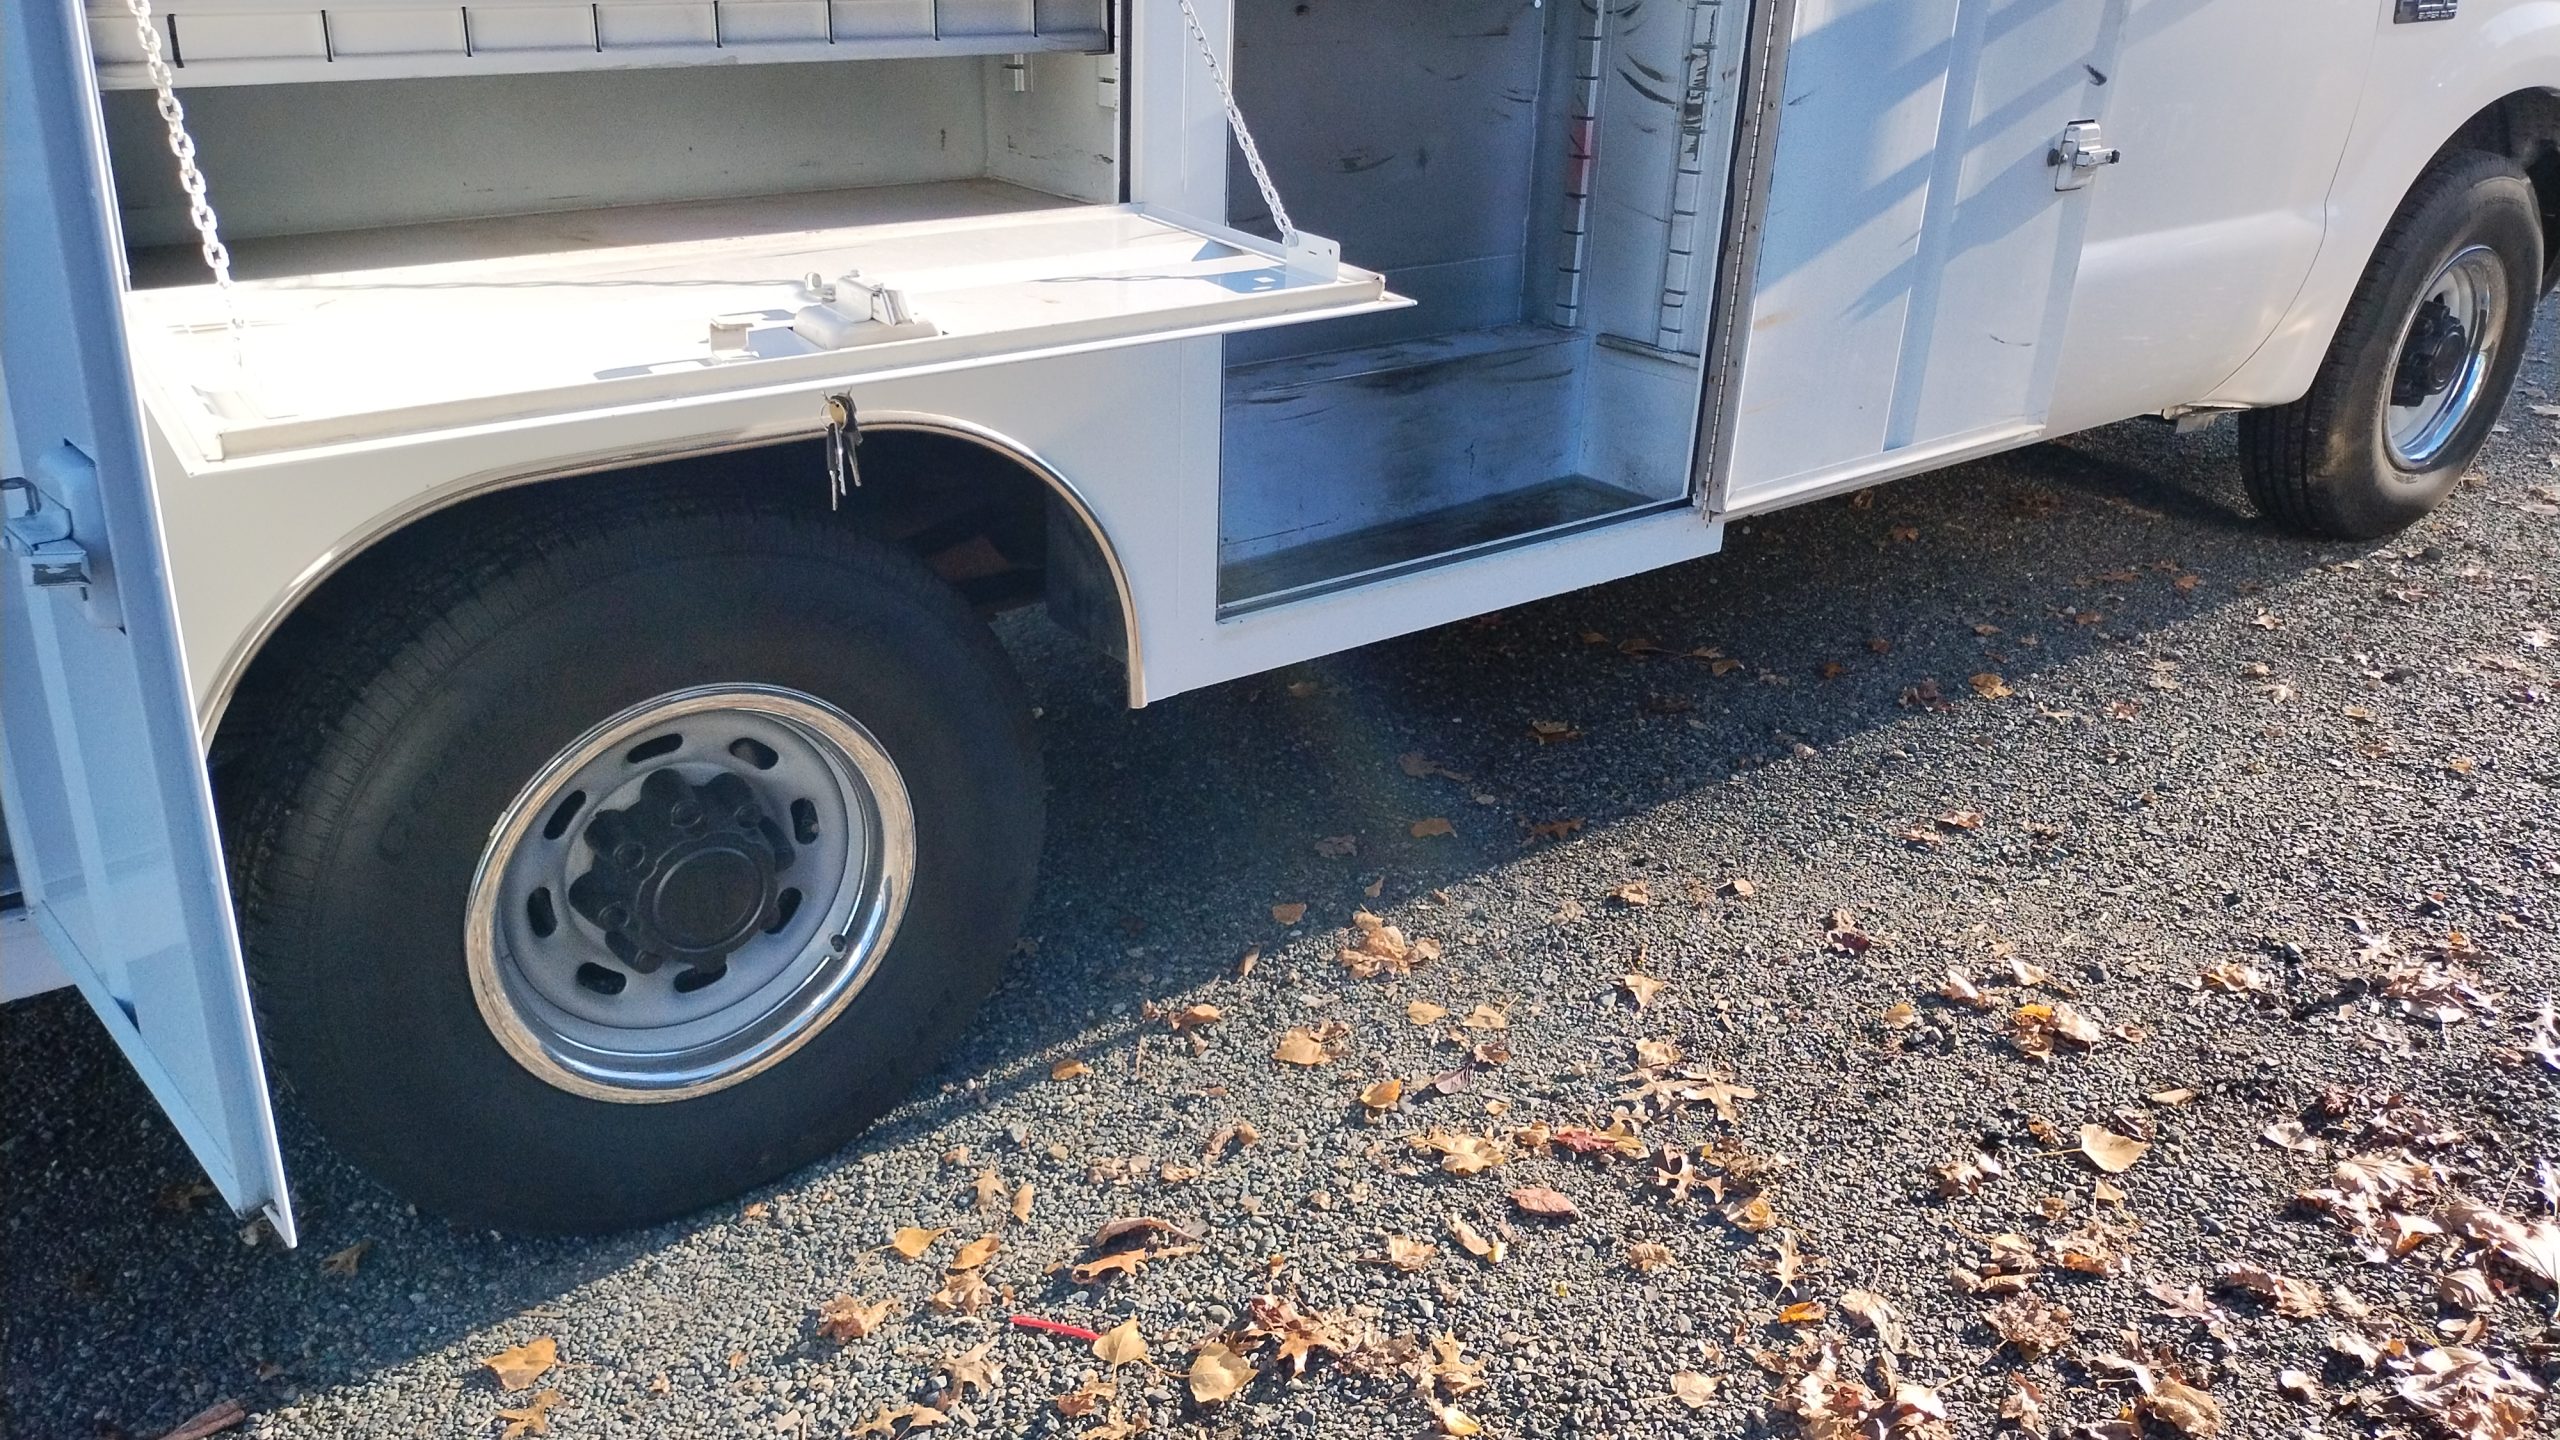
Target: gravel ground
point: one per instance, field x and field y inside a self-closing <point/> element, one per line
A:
<point x="2217" y="747"/>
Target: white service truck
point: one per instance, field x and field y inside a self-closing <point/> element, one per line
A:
<point x="504" y="496"/>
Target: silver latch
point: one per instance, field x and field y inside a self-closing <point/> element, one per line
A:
<point x="2077" y="156"/>
<point x="42" y="537"/>
<point x="854" y="311"/>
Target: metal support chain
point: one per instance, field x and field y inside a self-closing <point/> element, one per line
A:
<point x="1235" y="123"/>
<point x="217" y="256"/>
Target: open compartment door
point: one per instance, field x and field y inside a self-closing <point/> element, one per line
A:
<point x="111" y="810"/>
<point x="862" y="285"/>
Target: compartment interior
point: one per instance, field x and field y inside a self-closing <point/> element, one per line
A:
<point x="1547" y="182"/>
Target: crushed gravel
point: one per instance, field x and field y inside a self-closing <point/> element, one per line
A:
<point x="2154" y="803"/>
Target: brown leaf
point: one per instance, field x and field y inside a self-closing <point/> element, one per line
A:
<point x="215" y="1418"/>
<point x="1192" y="1017"/>
<point x="1217" y="1373"/>
<point x="1300" y="1047"/>
<point x="972" y="1370"/>
<point x="1069" y="1070"/>
<point x="1544" y="1203"/>
<point x="344" y="1262"/>
<point x="1488" y="1251"/>
<point x="1426" y="829"/>
<point x="913" y="1240"/>
<point x="1647" y="1256"/>
<point x="845" y="1319"/>
<point x="1022" y="1202"/>
<point x="519" y="1367"/>
<point x="1641" y="988"/>
<point x="1406" y="1254"/>
<point x="2108" y="1150"/>
<point x="1485" y="1017"/>
<point x="2183" y="1408"/>
<point x="1289" y="913"/>
<point x="976" y="1253"/>
<point x="1632" y="892"/>
<point x="1692" y="1389"/>
<point x="1122" y="1345"/>
<point x="1383" y="1096"/>
<point x="1423" y="1012"/>
<point x="1804" y="1312"/>
<point x="1877" y="1314"/>
<point x="1989" y="686"/>
<point x="530" y="1418"/>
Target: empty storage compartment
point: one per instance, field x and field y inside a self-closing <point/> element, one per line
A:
<point x="1548" y="184"/>
<point x="419" y="253"/>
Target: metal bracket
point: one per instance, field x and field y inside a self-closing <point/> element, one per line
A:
<point x="2079" y="154"/>
<point x="853" y="311"/>
<point x="41" y="536"/>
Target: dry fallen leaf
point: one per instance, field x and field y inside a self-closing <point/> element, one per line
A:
<point x="1804" y="1312"/>
<point x="1425" y="829"/>
<point x="1877" y="1314"/>
<point x="1544" y="1203"/>
<point x="1641" y="988"/>
<point x="344" y="1262"/>
<point x="1192" y="1017"/>
<point x="913" y="1240"/>
<point x="2108" y="1150"/>
<point x="1383" y="1096"/>
<point x="1692" y="1389"/>
<point x="1407" y="1254"/>
<point x="1485" y="1017"/>
<point x="519" y="1367"/>
<point x="530" y="1418"/>
<point x="1990" y="687"/>
<point x="1217" y="1373"/>
<point x="1300" y="1047"/>
<point x="1647" y="1256"/>
<point x="844" y="1319"/>
<point x="1069" y="1070"/>
<point x="1022" y="1202"/>
<point x="1488" y="1251"/>
<point x="1423" y="1012"/>
<point x="1122" y="1345"/>
<point x="976" y="1253"/>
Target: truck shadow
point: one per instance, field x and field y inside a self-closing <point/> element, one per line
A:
<point x="1173" y="831"/>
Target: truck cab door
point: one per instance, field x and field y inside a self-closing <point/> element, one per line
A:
<point x="1918" y="241"/>
<point x="108" y="800"/>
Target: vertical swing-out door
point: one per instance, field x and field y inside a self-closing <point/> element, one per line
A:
<point x="1919" y="239"/>
<point x="110" y="812"/>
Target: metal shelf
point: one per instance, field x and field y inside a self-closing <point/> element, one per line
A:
<point x="255" y="42"/>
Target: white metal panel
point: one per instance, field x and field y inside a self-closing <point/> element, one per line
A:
<point x="2196" y="245"/>
<point x="27" y="966"/>
<point x="1915" y="269"/>
<point x="106" y="787"/>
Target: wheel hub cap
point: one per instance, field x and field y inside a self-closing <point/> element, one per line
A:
<point x="2440" y="371"/>
<point x="686" y="894"/>
<point x="687" y="872"/>
<point x="2433" y="356"/>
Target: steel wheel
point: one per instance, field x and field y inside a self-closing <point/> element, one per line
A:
<point x="2441" y="365"/>
<point x="687" y="893"/>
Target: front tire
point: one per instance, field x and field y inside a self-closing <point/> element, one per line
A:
<point x="601" y="863"/>
<point x="2424" y="356"/>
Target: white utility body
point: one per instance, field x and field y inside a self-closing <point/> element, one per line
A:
<point x="1579" y="282"/>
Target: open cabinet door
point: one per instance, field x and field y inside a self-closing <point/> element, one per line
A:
<point x="107" y="794"/>
<point x="1919" y="240"/>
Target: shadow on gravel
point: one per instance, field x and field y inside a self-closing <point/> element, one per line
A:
<point x="1172" y="833"/>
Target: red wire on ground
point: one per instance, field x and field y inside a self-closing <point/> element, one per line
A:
<point x="1034" y="1322"/>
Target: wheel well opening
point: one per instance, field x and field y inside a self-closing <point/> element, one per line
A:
<point x="2525" y="127"/>
<point x="1000" y="532"/>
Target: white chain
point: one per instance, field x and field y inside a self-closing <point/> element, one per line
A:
<point x="1235" y="122"/>
<point x="217" y="256"/>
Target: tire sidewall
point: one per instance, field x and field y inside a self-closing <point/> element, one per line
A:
<point x="401" y="1068"/>
<point x="2495" y="208"/>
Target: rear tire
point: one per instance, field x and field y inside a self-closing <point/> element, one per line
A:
<point x="2409" y="388"/>
<point x="426" y="702"/>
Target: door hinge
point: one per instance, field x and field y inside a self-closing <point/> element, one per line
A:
<point x="41" y="536"/>
<point x="2077" y="156"/>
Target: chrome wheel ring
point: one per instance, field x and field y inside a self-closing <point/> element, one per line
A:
<point x="2441" y="362"/>
<point x="690" y="891"/>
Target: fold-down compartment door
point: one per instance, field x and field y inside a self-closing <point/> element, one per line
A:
<point x="1001" y="275"/>
<point x="108" y="803"/>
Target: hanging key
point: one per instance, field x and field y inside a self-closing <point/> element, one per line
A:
<point x="844" y="437"/>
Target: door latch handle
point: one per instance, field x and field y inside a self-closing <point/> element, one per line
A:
<point x="2079" y="154"/>
<point x="41" y="536"/>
